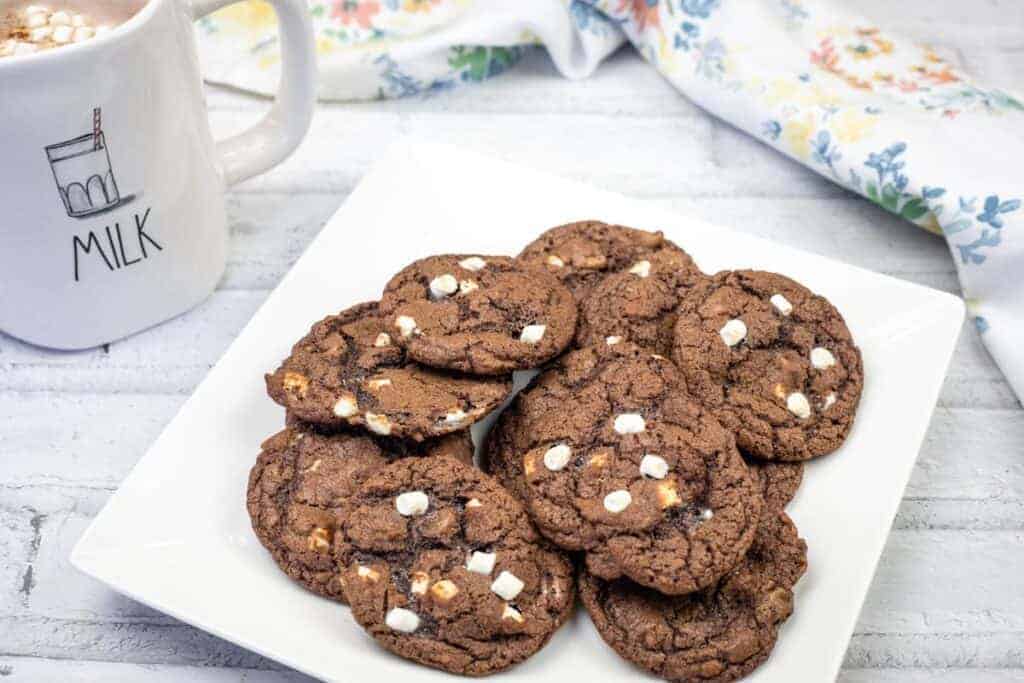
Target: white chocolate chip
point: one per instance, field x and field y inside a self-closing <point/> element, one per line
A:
<point x="402" y="620"/>
<point x="557" y="457"/>
<point x="612" y="341"/>
<point x="641" y="268"/>
<point x="822" y="358"/>
<point x="473" y="263"/>
<point x="481" y="563"/>
<point x="375" y="384"/>
<point x="798" y="404"/>
<point x="474" y="503"/>
<point x="367" y="573"/>
<point x="383" y="339"/>
<point x="418" y="583"/>
<point x="319" y="540"/>
<point x="443" y="285"/>
<point x="346" y="406"/>
<point x="706" y="514"/>
<point x="653" y="466"/>
<point x="555" y="261"/>
<point x="781" y="304"/>
<point x="617" y="501"/>
<point x="507" y="585"/>
<point x="62" y="34"/>
<point x="379" y="424"/>
<point x="830" y="400"/>
<point x="467" y="286"/>
<point x="532" y="334"/>
<point x="733" y="332"/>
<point x="510" y="612"/>
<point x="455" y="416"/>
<point x="630" y="423"/>
<point x="444" y="590"/>
<point x="83" y="33"/>
<point x="406" y="325"/>
<point x="60" y="19"/>
<point x="412" y="503"/>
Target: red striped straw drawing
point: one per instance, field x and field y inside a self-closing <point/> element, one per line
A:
<point x="96" y="128"/>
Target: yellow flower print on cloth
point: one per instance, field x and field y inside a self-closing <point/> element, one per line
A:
<point x="871" y="111"/>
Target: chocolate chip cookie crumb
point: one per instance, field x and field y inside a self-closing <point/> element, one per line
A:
<point x="717" y="635"/>
<point x="581" y="254"/>
<point x="348" y="370"/>
<point x="443" y="567"/>
<point x="300" y="487"/>
<point x="486" y="315"/>
<point x="774" y="362"/>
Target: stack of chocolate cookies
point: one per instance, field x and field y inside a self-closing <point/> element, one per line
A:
<point x="648" y="463"/>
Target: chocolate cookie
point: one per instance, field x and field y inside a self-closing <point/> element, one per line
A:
<point x="581" y="254"/>
<point x="347" y="370"/>
<point x="774" y="362"/>
<point x="300" y="487"/>
<point x="779" y="481"/>
<point x="486" y="315"/>
<point x="619" y="461"/>
<point x="443" y="567"/>
<point x="720" y="634"/>
<point x="639" y="303"/>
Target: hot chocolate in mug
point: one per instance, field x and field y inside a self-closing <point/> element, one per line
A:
<point x="112" y="214"/>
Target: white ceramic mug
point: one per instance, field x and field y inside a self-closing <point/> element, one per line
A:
<point x="112" y="215"/>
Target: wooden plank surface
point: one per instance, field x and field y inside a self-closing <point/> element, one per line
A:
<point x="947" y="603"/>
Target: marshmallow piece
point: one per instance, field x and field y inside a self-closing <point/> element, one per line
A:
<point x="653" y="466"/>
<point x="406" y="325"/>
<point x="418" y="583"/>
<point x="612" y="341"/>
<point x="346" y="406"/>
<point x="481" y="563"/>
<point x="798" y="404"/>
<point x="617" y="501"/>
<point x="454" y="416"/>
<point x="510" y="612"/>
<point x="630" y="423"/>
<point x="781" y="304"/>
<point x="822" y="358"/>
<point x="557" y="457"/>
<point x="443" y="285"/>
<point x="507" y="585"/>
<point x="39" y="35"/>
<point x="21" y="49"/>
<point x="83" y="33"/>
<point x="60" y="19"/>
<point x="467" y="286"/>
<point x="733" y="332"/>
<point x="412" y="503"/>
<point x="379" y="424"/>
<point x="830" y="400"/>
<point x="641" y="268"/>
<point x="79" y="20"/>
<point x="532" y="334"/>
<point x="35" y="9"/>
<point x="368" y="573"/>
<point x="473" y="263"/>
<point x="402" y="620"/>
<point x="706" y="514"/>
<point x="36" y="20"/>
<point x="62" y="34"/>
<point x="474" y="503"/>
<point x="555" y="261"/>
<point x="383" y="339"/>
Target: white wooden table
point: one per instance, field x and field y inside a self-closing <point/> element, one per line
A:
<point x="948" y="599"/>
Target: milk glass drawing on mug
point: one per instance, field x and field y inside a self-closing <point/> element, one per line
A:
<point x="81" y="168"/>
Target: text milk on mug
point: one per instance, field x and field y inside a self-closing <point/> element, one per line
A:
<point x="112" y="214"/>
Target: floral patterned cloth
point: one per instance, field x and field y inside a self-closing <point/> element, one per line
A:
<point x="878" y="115"/>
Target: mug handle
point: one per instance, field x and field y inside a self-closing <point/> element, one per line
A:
<point x="280" y="131"/>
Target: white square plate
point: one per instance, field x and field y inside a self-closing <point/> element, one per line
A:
<point x="176" y="535"/>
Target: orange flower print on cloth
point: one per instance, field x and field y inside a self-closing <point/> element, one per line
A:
<point x="867" y="109"/>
